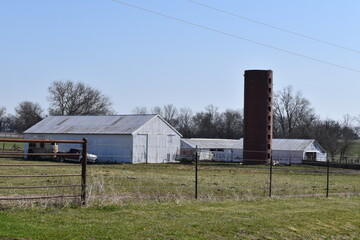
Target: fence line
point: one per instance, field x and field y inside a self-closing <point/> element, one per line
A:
<point x="200" y="179"/>
<point x="82" y="174"/>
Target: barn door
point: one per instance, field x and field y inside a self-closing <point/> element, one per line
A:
<point x="170" y="151"/>
<point x="142" y="148"/>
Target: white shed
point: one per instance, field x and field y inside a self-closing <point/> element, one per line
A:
<point x="283" y="150"/>
<point x="223" y="149"/>
<point x="145" y="138"/>
<point x="297" y="150"/>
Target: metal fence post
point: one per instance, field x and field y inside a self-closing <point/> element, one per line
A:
<point x="196" y="173"/>
<point x="327" y="176"/>
<point x="271" y="173"/>
<point x="83" y="172"/>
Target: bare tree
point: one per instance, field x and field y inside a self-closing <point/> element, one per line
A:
<point x="292" y="113"/>
<point x="139" y="110"/>
<point x="206" y="123"/>
<point x="2" y="119"/>
<point x="10" y="123"/>
<point x="185" y="123"/>
<point x="7" y="121"/>
<point x="357" y="126"/>
<point x="231" y="124"/>
<point x="327" y="133"/>
<point x="347" y="134"/>
<point x="170" y="114"/>
<point x="27" y="115"/>
<point x="336" y="137"/>
<point x="69" y="98"/>
<point x="157" y="110"/>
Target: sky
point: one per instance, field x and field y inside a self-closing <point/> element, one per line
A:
<point x="178" y="52"/>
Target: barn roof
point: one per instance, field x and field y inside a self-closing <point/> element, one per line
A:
<point x="291" y="144"/>
<point x="284" y="144"/>
<point x="109" y="124"/>
<point x="278" y="144"/>
<point x="209" y="142"/>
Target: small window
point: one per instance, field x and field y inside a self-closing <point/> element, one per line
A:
<point x="32" y="145"/>
<point x="269" y="156"/>
<point x="269" y="136"/>
<point x="269" y="99"/>
<point x="269" y="127"/>
<point x="269" y="109"/>
<point x="269" y="89"/>
<point x="269" y="118"/>
<point x="42" y="145"/>
<point x="269" y="146"/>
<point x="270" y="80"/>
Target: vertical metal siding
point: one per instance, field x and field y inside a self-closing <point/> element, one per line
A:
<point x="108" y="148"/>
<point x="163" y="142"/>
<point x="159" y="145"/>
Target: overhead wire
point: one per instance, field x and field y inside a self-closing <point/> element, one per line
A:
<point x="274" y="27"/>
<point x="236" y="36"/>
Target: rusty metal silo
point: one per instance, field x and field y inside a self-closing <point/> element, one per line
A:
<point x="258" y="116"/>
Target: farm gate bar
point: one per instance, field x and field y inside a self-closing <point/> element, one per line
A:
<point x="83" y="165"/>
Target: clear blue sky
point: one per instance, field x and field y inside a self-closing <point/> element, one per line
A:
<point x="142" y="59"/>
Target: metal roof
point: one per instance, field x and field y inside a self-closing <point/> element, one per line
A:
<point x="291" y="144"/>
<point x="277" y="143"/>
<point x="210" y="143"/>
<point x="119" y="124"/>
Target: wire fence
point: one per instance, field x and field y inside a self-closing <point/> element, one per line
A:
<point x="218" y="181"/>
<point x="31" y="175"/>
<point x="201" y="177"/>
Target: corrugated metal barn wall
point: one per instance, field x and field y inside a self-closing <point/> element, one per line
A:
<point x="288" y="157"/>
<point x="155" y="142"/>
<point x="108" y="148"/>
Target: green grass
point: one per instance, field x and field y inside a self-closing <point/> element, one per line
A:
<point x="218" y="181"/>
<point x="156" y="201"/>
<point x="6" y="146"/>
<point x="299" y="218"/>
<point x="355" y="149"/>
<point x="142" y="182"/>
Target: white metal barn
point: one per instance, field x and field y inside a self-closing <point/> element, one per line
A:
<point x="283" y="150"/>
<point x="143" y="138"/>
<point x="297" y="150"/>
<point x="223" y="149"/>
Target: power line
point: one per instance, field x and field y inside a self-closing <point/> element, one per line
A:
<point x="236" y="36"/>
<point x="275" y="27"/>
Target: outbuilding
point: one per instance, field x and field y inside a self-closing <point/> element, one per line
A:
<point x="283" y="150"/>
<point x="297" y="151"/>
<point x="222" y="149"/>
<point x="145" y="138"/>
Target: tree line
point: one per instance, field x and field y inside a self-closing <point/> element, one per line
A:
<point x="65" y="98"/>
<point x="293" y="116"/>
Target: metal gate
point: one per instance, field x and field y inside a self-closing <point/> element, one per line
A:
<point x="12" y="181"/>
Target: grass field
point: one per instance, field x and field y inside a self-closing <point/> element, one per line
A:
<point x="156" y="201"/>
<point x="294" y="218"/>
<point x="142" y="182"/>
<point x="4" y="146"/>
